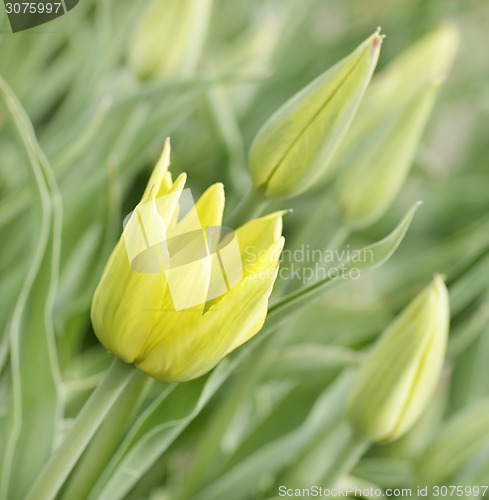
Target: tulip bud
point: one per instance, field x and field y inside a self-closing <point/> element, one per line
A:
<point x="427" y="60"/>
<point x="296" y="144"/>
<point x="169" y="39"/>
<point x="380" y="146"/>
<point x="366" y="191"/>
<point x="178" y="292"/>
<point x="392" y="388"/>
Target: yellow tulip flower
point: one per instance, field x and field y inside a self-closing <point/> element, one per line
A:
<point x="140" y="316"/>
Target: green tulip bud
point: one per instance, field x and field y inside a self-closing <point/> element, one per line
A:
<point x="427" y="60"/>
<point x="296" y="144"/>
<point x="394" y="385"/>
<point x="168" y="40"/>
<point x="380" y="146"/>
<point x="367" y="190"/>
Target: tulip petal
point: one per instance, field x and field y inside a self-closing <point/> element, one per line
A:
<point x="256" y="236"/>
<point x="125" y="305"/>
<point x="210" y="206"/>
<point x="160" y="180"/>
<point x="189" y="353"/>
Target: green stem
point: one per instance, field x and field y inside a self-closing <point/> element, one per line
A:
<point x="251" y="205"/>
<point x="107" y="439"/>
<point x="88" y="421"/>
<point x="345" y="460"/>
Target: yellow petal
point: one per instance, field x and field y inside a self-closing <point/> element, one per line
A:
<point x="265" y="259"/>
<point x="257" y="236"/>
<point x="168" y="200"/>
<point x="125" y="305"/>
<point x="160" y="180"/>
<point x="210" y="206"/>
<point x="192" y="352"/>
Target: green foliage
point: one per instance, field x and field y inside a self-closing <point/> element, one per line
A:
<point x="79" y="134"/>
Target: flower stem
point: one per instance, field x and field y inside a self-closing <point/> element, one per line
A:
<point x="251" y="205"/>
<point x="107" y="439"/>
<point x="88" y="421"/>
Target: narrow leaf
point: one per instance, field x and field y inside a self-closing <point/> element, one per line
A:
<point x="369" y="257"/>
<point x="35" y="408"/>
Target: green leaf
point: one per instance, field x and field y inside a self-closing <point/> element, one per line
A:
<point x="470" y="285"/>
<point x="369" y="257"/>
<point x="468" y="331"/>
<point x="308" y="360"/>
<point x="387" y="472"/>
<point x="66" y="455"/>
<point x="241" y="480"/>
<point x="460" y="440"/>
<point x="107" y="439"/>
<point x="156" y="430"/>
<point x="35" y="406"/>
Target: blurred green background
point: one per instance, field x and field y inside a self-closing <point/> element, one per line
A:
<point x="101" y="129"/>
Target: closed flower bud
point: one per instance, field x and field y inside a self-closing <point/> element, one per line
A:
<point x="169" y="39"/>
<point x="392" y="388"/>
<point x="367" y="190"/>
<point x="296" y="144"/>
<point x="428" y="59"/>
<point x="179" y="291"/>
<point x="379" y="148"/>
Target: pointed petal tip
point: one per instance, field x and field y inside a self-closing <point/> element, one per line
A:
<point x="159" y="175"/>
<point x="181" y="178"/>
<point x="283" y="212"/>
<point x="166" y="147"/>
<point x="217" y="188"/>
<point x="439" y="278"/>
<point x="378" y="33"/>
<point x="165" y="152"/>
<point x="377" y="42"/>
<point x="179" y="184"/>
